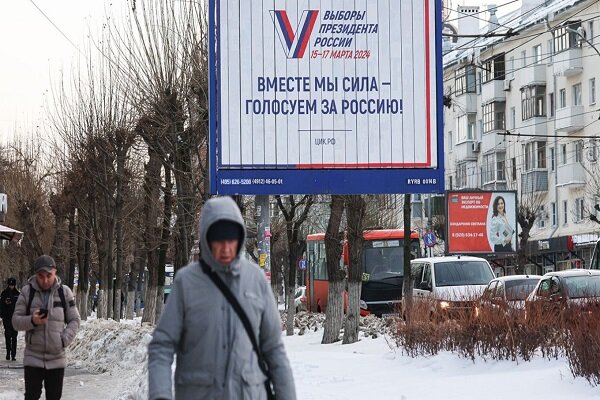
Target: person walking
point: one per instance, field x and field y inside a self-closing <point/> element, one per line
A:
<point x="46" y="311"/>
<point x="216" y="357"/>
<point x="8" y="300"/>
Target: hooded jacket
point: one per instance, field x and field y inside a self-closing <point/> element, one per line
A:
<point x="215" y="358"/>
<point x="45" y="344"/>
<point x="8" y="300"/>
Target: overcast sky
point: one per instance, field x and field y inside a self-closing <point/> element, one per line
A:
<point x="39" y="39"/>
<point x="34" y="52"/>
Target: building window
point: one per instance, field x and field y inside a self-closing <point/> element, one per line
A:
<point x="461" y="175"/>
<point x="552" y="159"/>
<point x="493" y="116"/>
<point x="565" y="212"/>
<point x="579" y="209"/>
<point x="541" y="154"/>
<point x="593" y="91"/>
<point x="553" y="211"/>
<point x="523" y="58"/>
<point x="551" y="104"/>
<point x="577" y="95"/>
<point x="563" y="154"/>
<point x="513" y="117"/>
<point x="465" y="81"/>
<point x="513" y="164"/>
<point x="511" y="68"/>
<point x="500" y="167"/>
<point x="450" y="140"/>
<point x="535" y="155"/>
<point x="593" y="151"/>
<point x="465" y="127"/>
<point x="541" y="219"/>
<point x="487" y="169"/>
<point x="493" y="69"/>
<point x="550" y="51"/>
<point x="579" y="151"/>
<point x="562" y="98"/>
<point x="537" y="54"/>
<point x="533" y="102"/>
<point x="565" y="37"/>
<point x="590" y="32"/>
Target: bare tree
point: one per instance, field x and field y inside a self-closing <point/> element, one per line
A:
<point x="335" y="275"/>
<point x="529" y="208"/>
<point x="355" y="214"/>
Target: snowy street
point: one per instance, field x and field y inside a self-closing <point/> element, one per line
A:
<point x="108" y="362"/>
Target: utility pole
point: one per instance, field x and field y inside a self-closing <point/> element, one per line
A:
<point x="263" y="232"/>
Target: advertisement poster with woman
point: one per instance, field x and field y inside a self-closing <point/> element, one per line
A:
<point x="482" y="222"/>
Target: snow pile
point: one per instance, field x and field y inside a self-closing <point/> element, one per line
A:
<point x="115" y="348"/>
<point x="369" y="326"/>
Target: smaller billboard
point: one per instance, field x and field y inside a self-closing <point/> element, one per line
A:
<point x="481" y="222"/>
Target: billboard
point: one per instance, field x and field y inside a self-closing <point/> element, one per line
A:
<point x="330" y="96"/>
<point x="481" y="222"/>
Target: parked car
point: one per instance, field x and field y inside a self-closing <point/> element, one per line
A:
<point x="451" y="285"/>
<point x="570" y="290"/>
<point x="507" y="294"/>
<point x="300" y="298"/>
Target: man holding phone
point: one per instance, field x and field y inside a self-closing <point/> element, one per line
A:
<point x="46" y="311"/>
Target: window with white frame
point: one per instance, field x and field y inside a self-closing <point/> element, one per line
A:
<point x="550" y="55"/>
<point x="565" y="212"/>
<point x="523" y="58"/>
<point x="593" y="91"/>
<point x="500" y="167"/>
<point x="464" y="81"/>
<point x="593" y="151"/>
<point x="487" y="168"/>
<point x="533" y="102"/>
<point x="513" y="117"/>
<point x="493" y="116"/>
<point x="450" y="141"/>
<point x="540" y="154"/>
<point x="577" y="94"/>
<point x="465" y="127"/>
<point x="562" y="98"/>
<point x="493" y="69"/>
<point x="511" y="68"/>
<point x="552" y="159"/>
<point x="535" y="155"/>
<point x="579" y="151"/>
<point x="566" y="37"/>
<point x="579" y="208"/>
<point x="553" y="213"/>
<point x="563" y="154"/>
<point x="541" y="217"/>
<point x="537" y="54"/>
<point x="590" y="32"/>
<point x="461" y="175"/>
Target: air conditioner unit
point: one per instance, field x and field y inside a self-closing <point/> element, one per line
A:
<point x="507" y="85"/>
<point x="475" y="147"/>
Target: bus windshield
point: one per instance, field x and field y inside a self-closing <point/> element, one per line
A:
<point x="384" y="257"/>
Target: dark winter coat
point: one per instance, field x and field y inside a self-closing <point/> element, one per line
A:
<point x="45" y="344"/>
<point x="8" y="301"/>
<point x="215" y="358"/>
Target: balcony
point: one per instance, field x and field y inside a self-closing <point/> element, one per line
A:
<point x="568" y="62"/>
<point x="569" y="119"/>
<point x="570" y="174"/>
<point x="533" y="75"/>
<point x="467" y="150"/>
<point x="466" y="103"/>
<point x="534" y="181"/>
<point x="534" y="126"/>
<point x="493" y="91"/>
<point x="493" y="141"/>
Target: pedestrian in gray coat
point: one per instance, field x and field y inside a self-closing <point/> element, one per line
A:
<point x="215" y="358"/>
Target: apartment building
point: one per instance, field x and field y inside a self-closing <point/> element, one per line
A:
<point x="523" y="114"/>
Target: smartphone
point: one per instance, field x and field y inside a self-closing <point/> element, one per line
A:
<point x="43" y="313"/>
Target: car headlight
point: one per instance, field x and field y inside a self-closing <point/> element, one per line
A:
<point x="444" y="304"/>
<point x="363" y="305"/>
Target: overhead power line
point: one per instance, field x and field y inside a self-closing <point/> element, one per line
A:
<point x="54" y="25"/>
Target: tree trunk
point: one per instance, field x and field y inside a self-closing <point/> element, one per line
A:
<point x="407" y="281"/>
<point x="355" y="212"/>
<point x="333" y="250"/>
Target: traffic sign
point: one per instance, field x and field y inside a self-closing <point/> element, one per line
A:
<point x="429" y="239"/>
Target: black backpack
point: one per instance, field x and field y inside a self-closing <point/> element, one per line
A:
<point x="61" y="294"/>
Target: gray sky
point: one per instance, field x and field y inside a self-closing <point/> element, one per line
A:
<point x="34" y="52"/>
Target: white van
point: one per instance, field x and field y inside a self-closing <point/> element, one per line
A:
<point x="451" y="284"/>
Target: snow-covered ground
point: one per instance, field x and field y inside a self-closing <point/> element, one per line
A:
<point x="108" y="361"/>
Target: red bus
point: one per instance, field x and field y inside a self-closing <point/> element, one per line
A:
<point x="383" y="270"/>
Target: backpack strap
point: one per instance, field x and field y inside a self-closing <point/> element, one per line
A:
<point x="31" y="295"/>
<point x="63" y="301"/>
<point x="61" y="294"/>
